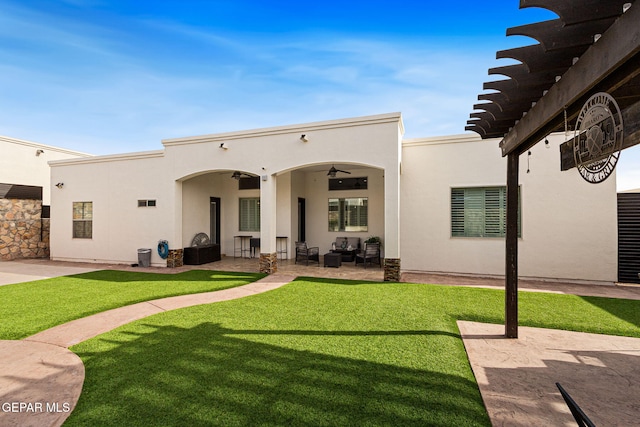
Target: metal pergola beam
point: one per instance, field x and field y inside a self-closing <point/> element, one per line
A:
<point x="618" y="44"/>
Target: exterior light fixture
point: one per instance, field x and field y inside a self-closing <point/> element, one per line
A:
<point x="304" y="138"/>
<point x="60" y="185"/>
<point x="38" y="152"/>
<point x="224" y="147"/>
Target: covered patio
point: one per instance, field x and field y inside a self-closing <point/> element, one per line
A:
<point x="314" y="205"/>
<point x="339" y="179"/>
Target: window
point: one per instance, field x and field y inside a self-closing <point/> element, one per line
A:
<point x="249" y="183"/>
<point x="146" y="203"/>
<point x="250" y="214"/>
<point x="348" y="214"/>
<point x="480" y="212"/>
<point x="82" y="220"/>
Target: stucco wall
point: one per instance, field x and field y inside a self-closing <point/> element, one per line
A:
<point x="563" y="217"/>
<point x="367" y="141"/>
<point x="565" y="220"/>
<point x="318" y="233"/>
<point x="188" y="171"/>
<point x="114" y="184"/>
<point x="196" y="204"/>
<point x="19" y="163"/>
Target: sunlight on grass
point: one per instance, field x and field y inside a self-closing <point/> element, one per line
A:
<point x="35" y="306"/>
<point x="315" y="352"/>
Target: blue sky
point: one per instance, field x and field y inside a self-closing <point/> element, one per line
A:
<point x="108" y="77"/>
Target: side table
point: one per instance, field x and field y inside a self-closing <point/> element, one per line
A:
<point x="332" y="259"/>
<point x="347" y="255"/>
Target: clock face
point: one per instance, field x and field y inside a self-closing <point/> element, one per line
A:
<point x="598" y="138"/>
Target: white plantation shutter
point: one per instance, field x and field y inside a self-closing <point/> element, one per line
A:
<point x="457" y="212"/>
<point x="479" y="212"/>
<point x="495" y="209"/>
<point x="250" y="214"/>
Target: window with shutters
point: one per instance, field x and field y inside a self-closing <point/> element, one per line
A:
<point x="250" y="214"/>
<point x="480" y="212"/>
<point x="349" y="214"/>
<point x="82" y="220"/>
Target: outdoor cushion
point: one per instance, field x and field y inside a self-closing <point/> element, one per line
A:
<point x="344" y="242"/>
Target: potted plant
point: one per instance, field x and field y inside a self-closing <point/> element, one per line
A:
<point x="374" y="239"/>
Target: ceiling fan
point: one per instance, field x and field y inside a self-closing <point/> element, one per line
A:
<point x="332" y="172"/>
<point x="237" y="175"/>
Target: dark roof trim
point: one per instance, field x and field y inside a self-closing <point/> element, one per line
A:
<point x="15" y="191"/>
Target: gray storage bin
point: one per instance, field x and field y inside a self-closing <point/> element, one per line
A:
<point x="144" y="257"/>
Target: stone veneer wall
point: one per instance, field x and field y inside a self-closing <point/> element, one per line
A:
<point x="23" y="234"/>
<point x="269" y="263"/>
<point x="175" y="258"/>
<point x="392" y="269"/>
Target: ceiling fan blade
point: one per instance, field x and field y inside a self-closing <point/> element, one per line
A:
<point x="332" y="172"/>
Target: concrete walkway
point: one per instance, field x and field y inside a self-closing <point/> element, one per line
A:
<point x="38" y="269"/>
<point x="516" y="377"/>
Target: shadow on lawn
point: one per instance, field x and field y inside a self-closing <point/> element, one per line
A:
<point x="627" y="310"/>
<point x="185" y="276"/>
<point x="208" y="375"/>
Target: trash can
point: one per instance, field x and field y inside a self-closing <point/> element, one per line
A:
<point x="144" y="257"/>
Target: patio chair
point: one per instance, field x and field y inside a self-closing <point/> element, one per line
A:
<point x="370" y="254"/>
<point x="306" y="254"/>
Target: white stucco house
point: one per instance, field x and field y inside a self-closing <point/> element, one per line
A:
<point x="25" y="189"/>
<point x="436" y="203"/>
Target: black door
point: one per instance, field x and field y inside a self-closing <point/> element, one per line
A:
<point x="302" y="226"/>
<point x="215" y="220"/>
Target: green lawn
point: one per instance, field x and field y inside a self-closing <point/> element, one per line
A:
<point x="315" y="352"/>
<point x="35" y="306"/>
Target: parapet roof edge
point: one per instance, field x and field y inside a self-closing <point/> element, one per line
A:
<point x="108" y="158"/>
<point x="42" y="146"/>
<point x="302" y="128"/>
<point x="448" y="139"/>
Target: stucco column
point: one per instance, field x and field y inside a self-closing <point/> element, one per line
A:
<point x="392" y="224"/>
<point x="268" y="211"/>
<point x="175" y="236"/>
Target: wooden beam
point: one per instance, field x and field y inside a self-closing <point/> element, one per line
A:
<point x="577" y="11"/>
<point x="511" y="270"/>
<point x="619" y="44"/>
<point x="631" y="122"/>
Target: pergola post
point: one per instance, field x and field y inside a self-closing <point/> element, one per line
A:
<point x="511" y="273"/>
<point x="544" y="94"/>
